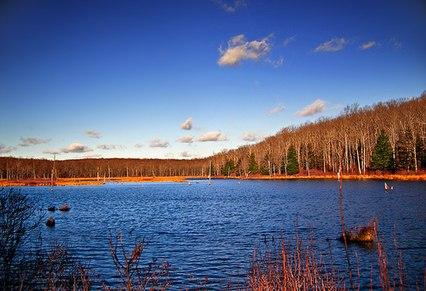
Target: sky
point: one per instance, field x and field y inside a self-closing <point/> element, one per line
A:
<point x="187" y="79"/>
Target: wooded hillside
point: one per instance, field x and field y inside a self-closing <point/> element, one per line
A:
<point x="389" y="136"/>
<point x="349" y="138"/>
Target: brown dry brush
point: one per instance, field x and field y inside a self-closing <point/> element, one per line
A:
<point x="58" y="270"/>
<point x="397" y="278"/>
<point x="22" y="267"/>
<point x="53" y="269"/>
<point x="299" y="268"/>
<point x="18" y="218"/>
<point x="291" y="268"/>
<point x="401" y="266"/>
<point x="128" y="266"/>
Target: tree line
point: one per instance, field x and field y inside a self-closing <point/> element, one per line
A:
<point x="388" y="136"/>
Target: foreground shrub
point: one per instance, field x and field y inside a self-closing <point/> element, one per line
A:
<point x="286" y="268"/>
<point x="17" y="220"/>
<point x="128" y="266"/>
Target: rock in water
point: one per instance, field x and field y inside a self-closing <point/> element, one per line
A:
<point x="50" y="222"/>
<point x="64" y="207"/>
<point x="360" y="234"/>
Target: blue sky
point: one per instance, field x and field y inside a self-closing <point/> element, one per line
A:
<point x="120" y="78"/>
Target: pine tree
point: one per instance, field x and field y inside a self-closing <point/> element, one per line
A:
<point x="253" y="167"/>
<point x="382" y="157"/>
<point x="292" y="163"/>
<point x="228" y="168"/>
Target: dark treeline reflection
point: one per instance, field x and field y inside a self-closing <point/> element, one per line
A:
<point x="387" y="136"/>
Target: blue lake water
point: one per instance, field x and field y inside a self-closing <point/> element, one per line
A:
<point x="211" y="230"/>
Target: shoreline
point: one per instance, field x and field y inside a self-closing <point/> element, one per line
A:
<point x="179" y="179"/>
<point x="88" y="181"/>
<point x="390" y="177"/>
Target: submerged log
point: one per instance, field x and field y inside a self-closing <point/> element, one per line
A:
<point x="360" y="234"/>
<point x="50" y="222"/>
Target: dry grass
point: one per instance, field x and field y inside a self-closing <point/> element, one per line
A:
<point x="88" y="181"/>
<point x="127" y="264"/>
<point x="401" y="176"/>
<point x="289" y="268"/>
<point x="299" y="268"/>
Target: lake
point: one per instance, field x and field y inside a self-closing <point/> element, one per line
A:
<point x="211" y="230"/>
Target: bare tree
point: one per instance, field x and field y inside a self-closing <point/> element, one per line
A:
<point x="17" y="220"/>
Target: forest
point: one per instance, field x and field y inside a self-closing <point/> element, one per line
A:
<point x="386" y="137"/>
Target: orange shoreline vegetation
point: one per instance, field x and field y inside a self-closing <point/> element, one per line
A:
<point x="421" y="176"/>
<point x="87" y="181"/>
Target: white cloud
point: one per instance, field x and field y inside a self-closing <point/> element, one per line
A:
<point x="187" y="124"/>
<point x="333" y="45"/>
<point x="240" y="49"/>
<point x="108" y="147"/>
<point x="212" y="136"/>
<point x="29" y="141"/>
<point x="138" y="145"/>
<point x="76" y="148"/>
<point x="159" y="143"/>
<point x="276" y="63"/>
<point x="396" y="43"/>
<point x="249" y="136"/>
<point x="368" y="45"/>
<point x="230" y="6"/>
<point x="6" y="149"/>
<point x="185" y="154"/>
<point x="276" y="109"/>
<point x="186" y="139"/>
<point x="93" y="134"/>
<point x="316" y="107"/>
<point x="289" y="40"/>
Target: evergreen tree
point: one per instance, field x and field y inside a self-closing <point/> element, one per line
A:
<point x="228" y="168"/>
<point x="253" y="167"/>
<point x="292" y="163"/>
<point x="382" y="157"/>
